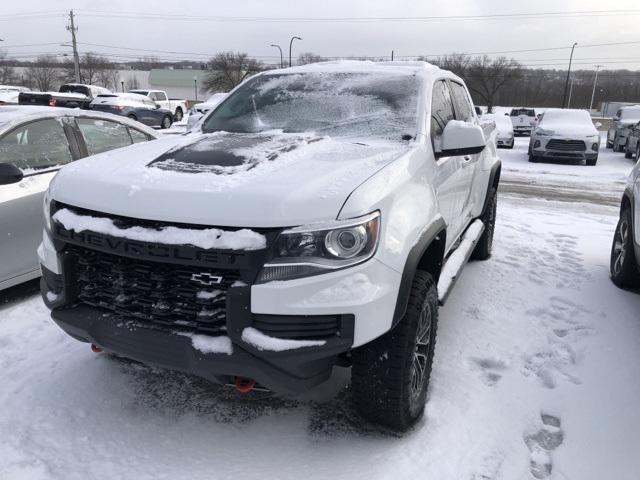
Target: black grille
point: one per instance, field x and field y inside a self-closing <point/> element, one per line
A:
<point x="158" y="293"/>
<point x="566" y="145"/>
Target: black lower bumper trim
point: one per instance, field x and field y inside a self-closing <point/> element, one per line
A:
<point x="290" y="371"/>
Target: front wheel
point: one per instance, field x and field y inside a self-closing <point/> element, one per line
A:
<point x="623" y="266"/>
<point x="390" y="376"/>
<point x="484" y="245"/>
<point x="166" y="122"/>
<point x="627" y="153"/>
<point x="533" y="158"/>
<point x="179" y="114"/>
<point x="592" y="162"/>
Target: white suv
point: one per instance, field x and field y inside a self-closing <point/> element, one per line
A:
<point x="317" y="218"/>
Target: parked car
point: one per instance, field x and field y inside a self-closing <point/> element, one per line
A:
<point x="505" y="135"/>
<point x="565" y="134"/>
<point x="9" y="94"/>
<point x="70" y="95"/>
<point x="318" y="218"/>
<point x="177" y="107"/>
<point x="632" y="145"/>
<point x="201" y="109"/>
<point x="134" y="106"/>
<point x="625" y="248"/>
<point x="34" y="143"/>
<point x="523" y="120"/>
<point x="624" y="119"/>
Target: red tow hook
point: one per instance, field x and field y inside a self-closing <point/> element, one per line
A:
<point x="95" y="348"/>
<point x="244" y="385"/>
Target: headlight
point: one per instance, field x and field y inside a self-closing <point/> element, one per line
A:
<point x="311" y="250"/>
<point x="46" y="210"/>
<point x="536" y="144"/>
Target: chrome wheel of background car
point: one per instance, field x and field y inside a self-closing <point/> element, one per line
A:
<point x="620" y="245"/>
<point x="179" y="115"/>
<point x="421" y="352"/>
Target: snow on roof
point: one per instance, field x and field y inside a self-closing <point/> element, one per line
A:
<point x="630" y="112"/>
<point x="362" y="66"/>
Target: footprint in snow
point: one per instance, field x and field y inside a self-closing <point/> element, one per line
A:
<point x="491" y="369"/>
<point x="541" y="445"/>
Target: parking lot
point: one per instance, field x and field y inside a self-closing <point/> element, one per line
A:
<point x="536" y="370"/>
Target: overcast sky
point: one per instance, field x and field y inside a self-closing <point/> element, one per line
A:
<point x="374" y="38"/>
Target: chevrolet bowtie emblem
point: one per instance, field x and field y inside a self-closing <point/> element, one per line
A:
<point x="206" y="279"/>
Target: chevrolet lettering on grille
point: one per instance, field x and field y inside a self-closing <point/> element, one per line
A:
<point x="206" y="279"/>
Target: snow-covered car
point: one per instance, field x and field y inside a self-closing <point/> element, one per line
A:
<point x="201" y="109"/>
<point x="70" y="95"/>
<point x="565" y="134"/>
<point x="625" y="249"/>
<point x="34" y="143"/>
<point x="523" y="120"/>
<point x="9" y="94"/>
<point x="624" y="119"/>
<point x="134" y="106"/>
<point x="505" y="135"/>
<point x="177" y="107"/>
<point x="316" y="218"/>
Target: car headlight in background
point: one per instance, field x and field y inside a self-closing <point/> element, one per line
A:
<point x="314" y="249"/>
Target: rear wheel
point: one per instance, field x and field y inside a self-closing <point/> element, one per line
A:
<point x="623" y="266"/>
<point x="627" y="153"/>
<point x="132" y="117"/>
<point x="390" y="375"/>
<point x="179" y="114"/>
<point x="166" y="122"/>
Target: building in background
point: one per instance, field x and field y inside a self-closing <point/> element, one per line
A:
<point x="177" y="83"/>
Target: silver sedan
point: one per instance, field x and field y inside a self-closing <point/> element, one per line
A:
<point x="35" y="142"/>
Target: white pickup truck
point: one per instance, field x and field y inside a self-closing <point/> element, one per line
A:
<point x="316" y="218"/>
<point x="176" y="106"/>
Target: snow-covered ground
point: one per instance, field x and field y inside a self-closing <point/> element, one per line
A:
<point x="536" y="371"/>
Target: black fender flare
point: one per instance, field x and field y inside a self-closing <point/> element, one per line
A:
<point x="435" y="232"/>
<point x="494" y="179"/>
<point x="628" y="196"/>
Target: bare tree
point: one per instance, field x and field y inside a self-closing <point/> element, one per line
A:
<point x="228" y="69"/>
<point x="133" y="82"/>
<point x="309" y="57"/>
<point x="486" y="77"/>
<point x="457" y="63"/>
<point x="7" y="72"/>
<point x="44" y="73"/>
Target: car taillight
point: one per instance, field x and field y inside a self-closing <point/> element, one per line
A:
<point x="120" y="107"/>
<point x="52" y="102"/>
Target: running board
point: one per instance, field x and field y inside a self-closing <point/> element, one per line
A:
<point x="458" y="259"/>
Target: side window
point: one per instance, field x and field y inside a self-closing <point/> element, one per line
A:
<point x="103" y="135"/>
<point x="441" y="113"/>
<point x="39" y="144"/>
<point x="464" y="110"/>
<point x="137" y="136"/>
<point x="148" y="103"/>
<point x="161" y="96"/>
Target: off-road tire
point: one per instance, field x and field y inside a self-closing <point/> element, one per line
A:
<point x="622" y="265"/>
<point x="389" y="387"/>
<point x="166" y="122"/>
<point x="179" y="114"/>
<point x="482" y="251"/>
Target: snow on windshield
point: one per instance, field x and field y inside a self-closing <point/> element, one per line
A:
<point x="565" y="117"/>
<point x="339" y="104"/>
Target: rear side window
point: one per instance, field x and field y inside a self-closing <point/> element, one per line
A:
<point x="137" y="136"/>
<point x="441" y="113"/>
<point x="103" y="135"/>
<point x="39" y="144"/>
<point x="464" y="109"/>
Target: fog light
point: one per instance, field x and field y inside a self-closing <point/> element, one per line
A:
<point x="536" y="144"/>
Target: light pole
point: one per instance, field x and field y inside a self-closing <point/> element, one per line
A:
<point x="566" y="83"/>
<point x="195" y="86"/>
<point x="595" y="83"/>
<point x="291" y="43"/>
<point x="570" y="91"/>
<point x="280" y="49"/>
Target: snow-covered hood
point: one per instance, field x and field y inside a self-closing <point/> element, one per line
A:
<point x="569" y="130"/>
<point x="225" y="179"/>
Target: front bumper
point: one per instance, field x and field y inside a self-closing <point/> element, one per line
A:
<point x="522" y="129"/>
<point x="547" y="151"/>
<point x="505" y="141"/>
<point x="361" y="316"/>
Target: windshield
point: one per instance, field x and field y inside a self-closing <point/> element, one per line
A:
<point x="558" y="118"/>
<point x="336" y="104"/>
<point x="74" y="89"/>
<point x="516" y="112"/>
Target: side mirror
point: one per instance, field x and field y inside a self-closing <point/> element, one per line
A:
<point x="157" y="106"/>
<point x="461" y="138"/>
<point x="9" y="174"/>
<point x="598" y="124"/>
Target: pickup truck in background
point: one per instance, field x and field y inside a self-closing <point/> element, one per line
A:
<point x="177" y="107"/>
<point x="523" y="120"/>
<point x="70" y="95"/>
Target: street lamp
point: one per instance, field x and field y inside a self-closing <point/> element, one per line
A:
<point x="566" y="83"/>
<point x="195" y="86"/>
<point x="122" y="84"/>
<point x="291" y="43"/>
<point x="280" y="49"/>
